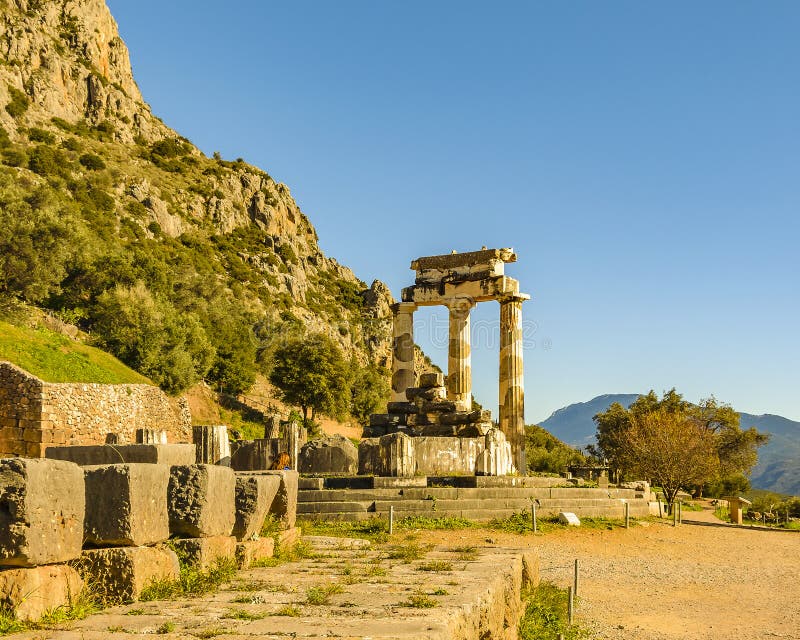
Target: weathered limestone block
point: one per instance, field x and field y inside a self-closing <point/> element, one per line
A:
<point x="254" y="455"/>
<point x="212" y="445"/>
<point x="402" y="407"/>
<point x="387" y="419"/>
<point x="445" y="406"/>
<point x="254" y="496"/>
<point x="120" y="574"/>
<point x="85" y="455"/>
<point x="284" y="505"/>
<point x="42" y="506"/>
<point x="30" y="592"/>
<point x="331" y="454"/>
<point x="373" y="432"/>
<point x="204" y="553"/>
<point x="497" y="457"/>
<point x="250" y="551"/>
<point x="397" y="455"/>
<point x="126" y="504"/>
<point x="201" y="500"/>
<point x="427" y="380"/>
<point x="436" y="394"/>
<point x="465" y="417"/>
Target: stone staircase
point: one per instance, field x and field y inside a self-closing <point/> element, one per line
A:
<point x="472" y="503"/>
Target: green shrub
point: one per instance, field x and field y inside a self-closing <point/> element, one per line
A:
<point x="5" y="141"/>
<point x="15" y="158"/>
<point x="92" y="161"/>
<point x="19" y="102"/>
<point x="170" y="148"/>
<point x="72" y="144"/>
<point x="35" y="134"/>
<point x="48" y="161"/>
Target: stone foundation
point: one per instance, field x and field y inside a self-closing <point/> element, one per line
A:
<point x="121" y="574"/>
<point x="31" y="592"/>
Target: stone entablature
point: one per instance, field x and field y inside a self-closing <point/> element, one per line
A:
<point x="35" y="414"/>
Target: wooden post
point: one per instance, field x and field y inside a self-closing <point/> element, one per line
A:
<point x="570" y="604"/>
<point x="533" y="514"/>
<point x="575" y="579"/>
<point x="680" y="511"/>
<point x="391" y="520"/>
<point x="674" y="516"/>
<point x="627" y="515"/>
<point x="660" y="513"/>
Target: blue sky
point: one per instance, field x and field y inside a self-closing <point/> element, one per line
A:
<point x="642" y="158"/>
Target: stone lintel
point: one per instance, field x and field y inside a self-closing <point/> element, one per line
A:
<point x="499" y="288"/>
<point x="471" y="258"/>
<point x="403" y="307"/>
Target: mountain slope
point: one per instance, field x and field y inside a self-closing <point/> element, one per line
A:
<point x="778" y="467"/>
<point x="184" y="266"/>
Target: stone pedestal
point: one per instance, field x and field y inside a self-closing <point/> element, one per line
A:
<point x="402" y="350"/>
<point x="212" y="445"/>
<point x="459" y="358"/>
<point x="512" y="396"/>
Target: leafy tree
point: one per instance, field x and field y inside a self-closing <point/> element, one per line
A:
<point x="546" y="453"/>
<point x="669" y="447"/>
<point x="311" y="373"/>
<point x="370" y="390"/>
<point x="38" y="239"/>
<point x="150" y="335"/>
<point x="736" y="449"/>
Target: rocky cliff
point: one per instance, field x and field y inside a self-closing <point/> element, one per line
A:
<point x="76" y="130"/>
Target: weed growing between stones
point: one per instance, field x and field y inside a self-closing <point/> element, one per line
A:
<point x="241" y="614"/>
<point x="436" y="566"/>
<point x="167" y="627"/>
<point x="464" y="553"/>
<point x="83" y="605"/>
<point x="192" y="581"/>
<point x="289" y="610"/>
<point x="407" y="552"/>
<point x="299" y="551"/>
<point x="321" y="594"/>
<point x="545" y="616"/>
<point x="420" y="601"/>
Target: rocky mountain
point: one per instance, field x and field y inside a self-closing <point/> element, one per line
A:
<point x="778" y="467"/>
<point x="108" y="209"/>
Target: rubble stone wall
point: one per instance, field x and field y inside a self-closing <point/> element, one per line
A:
<point x="35" y="414"/>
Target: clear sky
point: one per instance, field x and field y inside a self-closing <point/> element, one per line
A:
<point x="643" y="159"/>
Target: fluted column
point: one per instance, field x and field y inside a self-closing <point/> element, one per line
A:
<point x="459" y="355"/>
<point x="402" y="350"/>
<point x="512" y="393"/>
<point x="212" y="445"/>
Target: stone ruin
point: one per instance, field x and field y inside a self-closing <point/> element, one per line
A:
<point x="440" y="410"/>
<point x="63" y="525"/>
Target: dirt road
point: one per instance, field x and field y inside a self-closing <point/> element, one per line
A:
<point x="663" y="583"/>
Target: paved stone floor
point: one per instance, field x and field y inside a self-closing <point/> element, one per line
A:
<point x="397" y="591"/>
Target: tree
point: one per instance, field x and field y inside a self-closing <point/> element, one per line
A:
<point x="311" y="373"/>
<point x="546" y="453"/>
<point x="370" y="389"/>
<point x="151" y="336"/>
<point x="671" y="448"/>
<point x="736" y="448"/>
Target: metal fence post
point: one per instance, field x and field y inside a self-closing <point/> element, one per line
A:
<point x="533" y="515"/>
<point x="575" y="579"/>
<point x="627" y="515"/>
<point x="391" y="520"/>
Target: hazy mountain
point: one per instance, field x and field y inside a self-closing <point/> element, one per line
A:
<point x="778" y="468"/>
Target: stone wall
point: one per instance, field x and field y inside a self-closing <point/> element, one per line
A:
<point x="35" y="414"/>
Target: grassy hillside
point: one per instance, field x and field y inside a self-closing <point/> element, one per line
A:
<point x="55" y="358"/>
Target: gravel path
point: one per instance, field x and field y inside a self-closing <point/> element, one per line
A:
<point x="658" y="582"/>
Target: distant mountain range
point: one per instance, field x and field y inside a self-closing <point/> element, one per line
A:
<point x="778" y="467"/>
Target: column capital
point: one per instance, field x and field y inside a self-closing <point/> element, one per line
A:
<point x="462" y="303"/>
<point x="404" y="307"/>
<point x="520" y="297"/>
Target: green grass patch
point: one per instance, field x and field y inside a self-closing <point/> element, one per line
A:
<point x="436" y="566"/>
<point x="84" y="604"/>
<point x="522" y="522"/>
<point x="192" y="582"/>
<point x="407" y="552"/>
<point x="444" y="522"/>
<point x="420" y="601"/>
<point x="321" y="594"/>
<point x="241" y="614"/>
<point x="55" y="358"/>
<point x="546" y="615"/>
<point x="374" y="529"/>
<point x="289" y="610"/>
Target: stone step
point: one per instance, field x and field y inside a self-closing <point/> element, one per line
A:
<point x="333" y="507"/>
<point x="453" y="493"/>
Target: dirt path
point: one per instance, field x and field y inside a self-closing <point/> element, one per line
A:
<point x="663" y="583"/>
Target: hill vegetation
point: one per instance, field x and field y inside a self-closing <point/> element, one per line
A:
<point x="55" y="358"/>
<point x="185" y="267"/>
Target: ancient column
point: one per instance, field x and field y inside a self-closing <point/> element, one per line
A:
<point x="212" y="445"/>
<point x="402" y="350"/>
<point x="512" y="395"/>
<point x="459" y="360"/>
